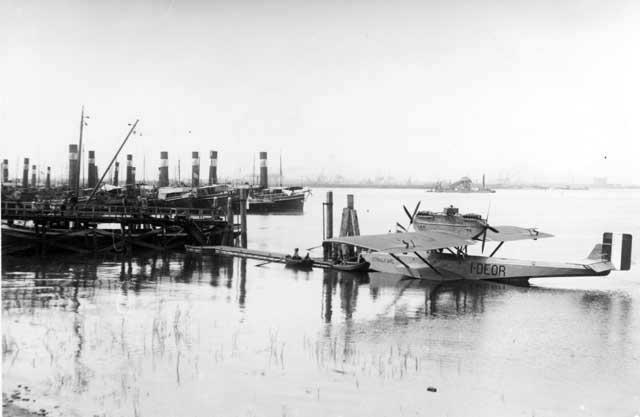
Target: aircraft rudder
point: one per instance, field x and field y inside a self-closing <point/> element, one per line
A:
<point x="625" y="253"/>
<point x="607" y="239"/>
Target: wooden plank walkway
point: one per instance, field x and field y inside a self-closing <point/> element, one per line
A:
<point x="253" y="254"/>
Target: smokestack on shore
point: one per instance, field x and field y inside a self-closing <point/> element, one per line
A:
<point x="47" y="182"/>
<point x="5" y="170"/>
<point x="25" y="173"/>
<point x="133" y="176"/>
<point x="129" y="179"/>
<point x="93" y="171"/>
<point x="163" y="180"/>
<point x="264" y="181"/>
<point x="73" y="166"/>
<point x="116" y="172"/>
<point x="195" y="169"/>
<point x="213" y="167"/>
<point x="34" y="176"/>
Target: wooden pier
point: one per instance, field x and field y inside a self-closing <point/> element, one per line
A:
<point x="275" y="257"/>
<point x="36" y="228"/>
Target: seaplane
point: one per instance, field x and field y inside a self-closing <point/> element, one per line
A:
<point x="435" y="247"/>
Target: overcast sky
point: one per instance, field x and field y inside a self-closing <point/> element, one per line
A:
<point x="534" y="90"/>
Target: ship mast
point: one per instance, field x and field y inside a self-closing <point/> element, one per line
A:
<point x="280" y="167"/>
<point x="82" y="124"/>
<point x="77" y="184"/>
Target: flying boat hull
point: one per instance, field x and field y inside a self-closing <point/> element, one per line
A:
<point x="446" y="267"/>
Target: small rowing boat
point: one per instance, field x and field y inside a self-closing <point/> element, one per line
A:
<point x="300" y="263"/>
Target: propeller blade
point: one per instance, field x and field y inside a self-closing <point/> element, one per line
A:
<point x="484" y="238"/>
<point x="408" y="214"/>
<point x="401" y="226"/>
<point x="415" y="212"/>
<point x="493" y="229"/>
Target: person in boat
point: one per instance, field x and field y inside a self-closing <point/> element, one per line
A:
<point x="296" y="255"/>
<point x="307" y="257"/>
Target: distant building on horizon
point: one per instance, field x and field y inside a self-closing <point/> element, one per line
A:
<point x="600" y="181"/>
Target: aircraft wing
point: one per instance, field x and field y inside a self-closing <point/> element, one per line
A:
<point x="404" y="242"/>
<point x="510" y="233"/>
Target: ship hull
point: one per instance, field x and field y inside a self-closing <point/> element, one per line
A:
<point x="290" y="204"/>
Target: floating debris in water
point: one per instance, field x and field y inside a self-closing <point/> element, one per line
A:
<point x="432" y="389"/>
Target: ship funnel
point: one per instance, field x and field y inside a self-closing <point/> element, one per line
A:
<point x="129" y="175"/>
<point x="264" y="181"/>
<point x="25" y="173"/>
<point x="93" y="172"/>
<point x="213" y="167"/>
<point x="73" y="166"/>
<point x="116" y="172"/>
<point x="163" y="180"/>
<point x="195" y="169"/>
<point x="5" y="170"/>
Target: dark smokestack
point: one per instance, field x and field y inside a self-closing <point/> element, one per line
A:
<point x="129" y="179"/>
<point x="25" y="173"/>
<point x="91" y="181"/>
<point x="195" y="170"/>
<point x="133" y="176"/>
<point x="48" y="180"/>
<point x="116" y="172"/>
<point x="34" y="178"/>
<point x="163" y="180"/>
<point x="264" y="181"/>
<point x="5" y="170"/>
<point x="73" y="166"/>
<point x="93" y="172"/>
<point x="213" y="167"/>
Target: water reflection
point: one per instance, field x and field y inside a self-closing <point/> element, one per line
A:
<point x="186" y="320"/>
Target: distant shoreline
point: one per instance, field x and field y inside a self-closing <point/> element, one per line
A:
<point x="493" y="187"/>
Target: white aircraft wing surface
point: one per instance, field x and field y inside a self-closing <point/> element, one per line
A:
<point x="510" y="233"/>
<point x="405" y="242"/>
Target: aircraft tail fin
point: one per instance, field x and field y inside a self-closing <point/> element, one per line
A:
<point x="625" y="253"/>
<point x="602" y="251"/>
<point x="607" y="241"/>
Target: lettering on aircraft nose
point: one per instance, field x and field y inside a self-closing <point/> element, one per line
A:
<point x="491" y="270"/>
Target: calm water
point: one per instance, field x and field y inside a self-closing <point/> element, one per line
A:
<point x="184" y="335"/>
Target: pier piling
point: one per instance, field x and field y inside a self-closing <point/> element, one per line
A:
<point x="349" y="226"/>
<point x="230" y="236"/>
<point x="328" y="224"/>
<point x="244" y="192"/>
